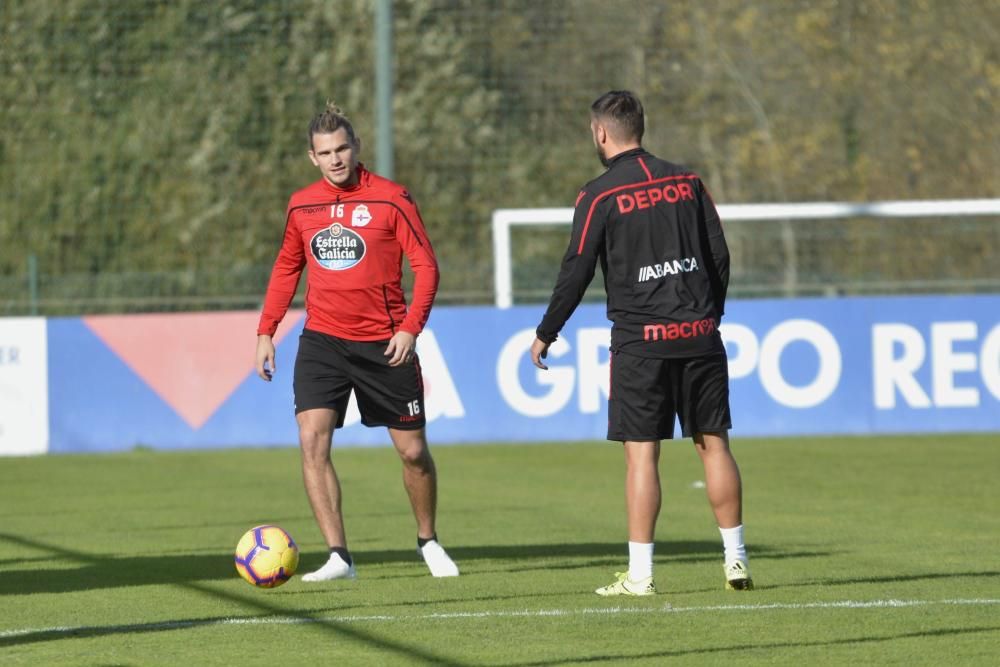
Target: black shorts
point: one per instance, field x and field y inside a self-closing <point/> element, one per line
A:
<point x="647" y="393"/>
<point x="327" y="368"/>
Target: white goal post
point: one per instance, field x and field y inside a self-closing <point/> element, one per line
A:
<point x="505" y="218"/>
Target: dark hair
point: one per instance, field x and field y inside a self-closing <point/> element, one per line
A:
<point x="329" y="121"/>
<point x="622" y="110"/>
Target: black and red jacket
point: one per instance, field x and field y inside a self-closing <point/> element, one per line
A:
<point x="654" y="229"/>
<point x="353" y="240"/>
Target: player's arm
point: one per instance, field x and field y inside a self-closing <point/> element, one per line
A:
<point x="412" y="237"/>
<point x="718" y="249"/>
<point x="575" y="273"/>
<point x="281" y="288"/>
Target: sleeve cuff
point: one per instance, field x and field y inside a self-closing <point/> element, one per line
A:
<point x="410" y="329"/>
<point x="545" y="337"/>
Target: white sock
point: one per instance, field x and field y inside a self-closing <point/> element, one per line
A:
<point x="732" y="543"/>
<point x="640" y="560"/>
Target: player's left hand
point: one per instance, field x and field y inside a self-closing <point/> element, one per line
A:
<point x="400" y="348"/>
<point x="539" y="350"/>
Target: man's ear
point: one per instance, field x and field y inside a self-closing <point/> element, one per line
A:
<point x="312" y="158"/>
<point x="600" y="134"/>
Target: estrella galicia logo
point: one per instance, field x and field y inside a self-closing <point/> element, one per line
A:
<point x="337" y="248"/>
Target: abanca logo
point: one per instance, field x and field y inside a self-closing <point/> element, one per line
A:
<point x="337" y="248"/>
<point x="667" y="268"/>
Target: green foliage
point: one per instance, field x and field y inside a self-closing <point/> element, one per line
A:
<point x="127" y="558"/>
<point x="154" y="136"/>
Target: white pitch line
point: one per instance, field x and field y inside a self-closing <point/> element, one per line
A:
<point x="527" y="613"/>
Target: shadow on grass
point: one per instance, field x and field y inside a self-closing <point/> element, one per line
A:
<point x="342" y="630"/>
<point x="92" y="572"/>
<point x="898" y="578"/>
<point x="743" y="650"/>
<point x="191" y="571"/>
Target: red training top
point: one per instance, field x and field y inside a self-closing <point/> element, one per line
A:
<point x="353" y="240"/>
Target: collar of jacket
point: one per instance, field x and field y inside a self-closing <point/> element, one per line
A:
<point x="632" y="152"/>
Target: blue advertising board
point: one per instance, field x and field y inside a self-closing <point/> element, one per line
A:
<point x="797" y="367"/>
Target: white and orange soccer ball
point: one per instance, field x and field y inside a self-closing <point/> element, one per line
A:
<point x="266" y="556"/>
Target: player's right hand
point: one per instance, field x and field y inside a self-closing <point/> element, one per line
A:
<point x="539" y="350"/>
<point x="265" y="358"/>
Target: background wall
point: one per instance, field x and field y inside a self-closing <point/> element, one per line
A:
<point x="798" y="367"/>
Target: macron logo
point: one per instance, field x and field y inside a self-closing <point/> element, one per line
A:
<point x="673" y="331"/>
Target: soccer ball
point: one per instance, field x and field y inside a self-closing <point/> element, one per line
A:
<point x="266" y="556"/>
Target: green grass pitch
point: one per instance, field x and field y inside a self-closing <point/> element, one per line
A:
<point x="864" y="550"/>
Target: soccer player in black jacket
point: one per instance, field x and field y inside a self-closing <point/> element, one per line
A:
<point x="654" y="229"/>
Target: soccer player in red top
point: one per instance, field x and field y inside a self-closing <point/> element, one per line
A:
<point x="351" y="229"/>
